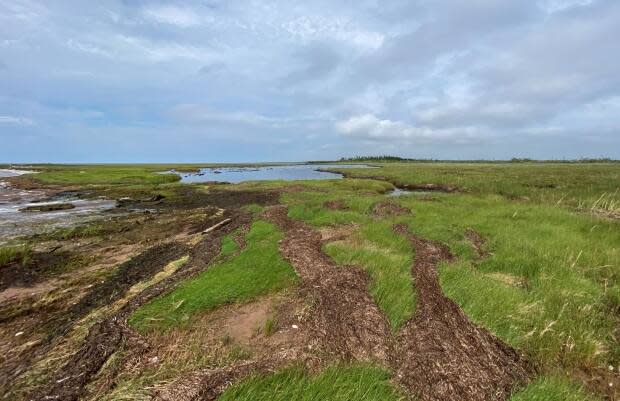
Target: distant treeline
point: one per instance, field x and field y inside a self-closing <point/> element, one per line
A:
<point x="584" y="160"/>
<point x="394" y="159"/>
<point x="383" y="158"/>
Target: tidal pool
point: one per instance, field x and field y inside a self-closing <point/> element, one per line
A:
<point x="14" y="223"/>
<point x="290" y="172"/>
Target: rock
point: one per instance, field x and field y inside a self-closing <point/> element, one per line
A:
<point x="48" y="207"/>
<point x="155" y="198"/>
<point x="123" y="201"/>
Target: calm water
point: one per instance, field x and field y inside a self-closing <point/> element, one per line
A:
<point x="398" y="192"/>
<point x="13" y="173"/>
<point x="286" y="172"/>
<point x="14" y="223"/>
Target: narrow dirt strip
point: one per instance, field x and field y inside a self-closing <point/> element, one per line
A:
<point x="440" y="355"/>
<point x="345" y="318"/>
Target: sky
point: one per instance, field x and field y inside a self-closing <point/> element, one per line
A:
<point x="242" y="81"/>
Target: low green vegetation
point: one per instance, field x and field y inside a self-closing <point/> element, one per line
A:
<point x="549" y="285"/>
<point x="256" y="270"/>
<point x="103" y="175"/>
<point x="336" y="383"/>
<point x="83" y="231"/>
<point x="271" y="325"/>
<point x="254" y="208"/>
<point x="552" y="389"/>
<point x="577" y="185"/>
<point x="20" y="253"/>
<point x="229" y="246"/>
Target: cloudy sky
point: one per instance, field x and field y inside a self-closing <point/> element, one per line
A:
<point x="142" y="81"/>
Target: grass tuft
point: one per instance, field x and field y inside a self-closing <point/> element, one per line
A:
<point x="552" y="389"/>
<point x="21" y="253"/>
<point x="271" y="325"/>
<point x="336" y="383"/>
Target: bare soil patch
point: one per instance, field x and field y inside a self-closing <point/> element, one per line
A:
<point x="428" y="187"/>
<point x="605" y="382"/>
<point x="13" y="294"/>
<point x="337" y="204"/>
<point x="189" y="198"/>
<point x="389" y="209"/>
<point x="337" y="232"/>
<point x="440" y="354"/>
<point x="228" y="327"/>
<point x="478" y="242"/>
<point x="35" y="270"/>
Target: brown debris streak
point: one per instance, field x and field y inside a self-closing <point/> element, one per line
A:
<point x="345" y="318"/>
<point x="442" y="355"/>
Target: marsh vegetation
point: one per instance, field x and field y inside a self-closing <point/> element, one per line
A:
<point x="311" y="289"/>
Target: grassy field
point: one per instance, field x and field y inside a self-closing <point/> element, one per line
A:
<point x="584" y="186"/>
<point x="552" y="389"/>
<point x="547" y="266"/>
<point x="550" y="283"/>
<point x="100" y="175"/>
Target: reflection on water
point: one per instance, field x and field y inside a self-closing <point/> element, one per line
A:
<point x="398" y="192"/>
<point x="5" y="172"/>
<point x="285" y="172"/>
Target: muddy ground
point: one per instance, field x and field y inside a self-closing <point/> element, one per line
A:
<point x="49" y="304"/>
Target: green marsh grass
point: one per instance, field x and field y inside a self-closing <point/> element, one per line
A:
<point x="543" y="287"/>
<point x="550" y="286"/>
<point x="256" y="270"/>
<point x="576" y="185"/>
<point x="21" y="253"/>
<point x="336" y="383"/>
<point x="103" y="175"/>
<point x="552" y="389"/>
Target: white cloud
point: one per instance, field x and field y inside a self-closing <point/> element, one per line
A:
<point x="12" y="120"/>
<point x="553" y="6"/>
<point x="171" y="15"/>
<point x="368" y="126"/>
<point x="200" y="114"/>
<point x="312" y="28"/>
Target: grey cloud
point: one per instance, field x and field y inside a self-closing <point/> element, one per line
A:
<point x="419" y="78"/>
